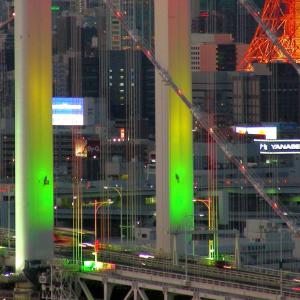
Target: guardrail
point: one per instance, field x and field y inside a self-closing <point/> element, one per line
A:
<point x="195" y="279"/>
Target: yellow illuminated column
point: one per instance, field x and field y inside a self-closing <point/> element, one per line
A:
<point x="33" y="131"/>
<point x="174" y="154"/>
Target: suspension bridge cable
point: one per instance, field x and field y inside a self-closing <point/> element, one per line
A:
<point x="202" y="116"/>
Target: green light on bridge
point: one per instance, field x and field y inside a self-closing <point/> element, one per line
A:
<point x="55" y="8"/>
<point x="92" y="266"/>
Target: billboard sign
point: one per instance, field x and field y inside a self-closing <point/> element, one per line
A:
<point x="278" y="146"/>
<point x="85" y="148"/>
<point x="67" y="111"/>
<point x="81" y="147"/>
<point x="269" y="132"/>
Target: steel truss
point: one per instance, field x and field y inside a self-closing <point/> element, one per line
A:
<point x="279" y="19"/>
<point x="59" y="282"/>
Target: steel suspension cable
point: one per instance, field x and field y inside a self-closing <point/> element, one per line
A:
<point x="201" y="116"/>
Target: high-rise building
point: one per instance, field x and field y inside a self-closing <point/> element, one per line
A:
<point x="137" y="82"/>
<point x="246" y="99"/>
<point x="215" y="52"/>
<point x="139" y="17"/>
<point x="280" y="94"/>
<point x="67" y="32"/>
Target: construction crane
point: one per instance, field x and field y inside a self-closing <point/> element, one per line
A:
<point x="202" y="118"/>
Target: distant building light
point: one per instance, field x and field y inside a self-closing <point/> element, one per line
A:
<point x="203" y="14"/>
<point x="55" y="8"/>
<point x="122" y="133"/>
<point x="143" y="255"/>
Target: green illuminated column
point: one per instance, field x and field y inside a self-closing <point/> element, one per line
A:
<point x="33" y="131"/>
<point x="174" y="154"/>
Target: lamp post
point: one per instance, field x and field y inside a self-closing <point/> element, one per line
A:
<point x="207" y="203"/>
<point x="55" y="216"/>
<point x="118" y="190"/>
<point x="212" y="244"/>
<point x="97" y="205"/>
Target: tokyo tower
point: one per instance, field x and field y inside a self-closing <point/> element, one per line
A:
<point x="282" y="17"/>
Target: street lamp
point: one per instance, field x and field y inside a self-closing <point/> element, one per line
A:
<point x="118" y="190"/>
<point x="212" y="244"/>
<point x="55" y="217"/>
<point x="97" y="205"/>
<point x="207" y="203"/>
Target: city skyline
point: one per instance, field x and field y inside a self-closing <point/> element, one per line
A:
<point x="176" y="132"/>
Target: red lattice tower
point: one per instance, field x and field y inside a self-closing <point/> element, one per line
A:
<point x="282" y="17"/>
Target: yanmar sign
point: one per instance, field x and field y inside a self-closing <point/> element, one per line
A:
<point x="279" y="146"/>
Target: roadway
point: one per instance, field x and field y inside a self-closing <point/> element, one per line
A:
<point x="191" y="269"/>
<point x="251" y="278"/>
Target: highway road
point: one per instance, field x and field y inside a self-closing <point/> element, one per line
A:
<point x="138" y="258"/>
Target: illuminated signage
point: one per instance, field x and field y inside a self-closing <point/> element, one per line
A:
<point x="279" y="146"/>
<point x="85" y="148"/>
<point x="81" y="147"/>
<point x="269" y="132"/>
<point x="67" y="111"/>
<point x="122" y="133"/>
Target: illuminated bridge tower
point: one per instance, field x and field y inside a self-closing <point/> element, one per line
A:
<point x="283" y="18"/>
<point x="174" y="154"/>
<point x="33" y="131"/>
